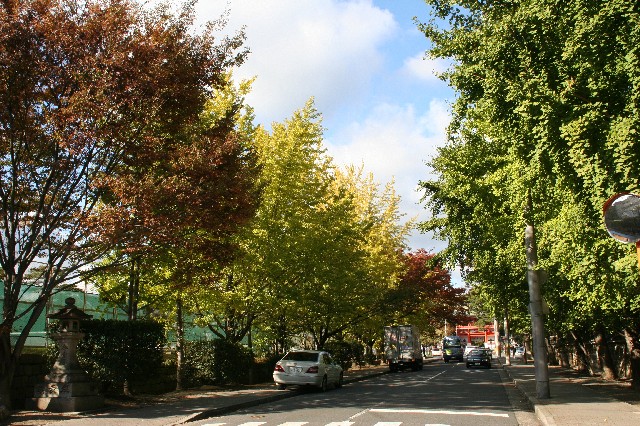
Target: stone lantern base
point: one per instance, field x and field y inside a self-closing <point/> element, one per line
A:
<point x="71" y="404"/>
<point x="64" y="396"/>
<point x="67" y="388"/>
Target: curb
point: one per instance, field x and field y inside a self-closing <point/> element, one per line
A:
<point x="219" y="411"/>
<point x="539" y="409"/>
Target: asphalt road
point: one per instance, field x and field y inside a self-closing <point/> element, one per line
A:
<point x="440" y="394"/>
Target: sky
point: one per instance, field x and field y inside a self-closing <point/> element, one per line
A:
<point x="363" y="62"/>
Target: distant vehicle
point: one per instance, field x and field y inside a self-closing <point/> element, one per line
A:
<point x="311" y="368"/>
<point x="468" y="349"/>
<point x="452" y="348"/>
<point x="479" y="357"/>
<point x="519" y="352"/>
<point x="402" y="348"/>
<point x="436" y="352"/>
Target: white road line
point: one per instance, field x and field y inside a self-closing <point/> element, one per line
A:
<point x="450" y="412"/>
<point x="253" y="424"/>
<point x="339" y="424"/>
<point x="433" y="377"/>
<point x="293" y="424"/>
<point x="214" y="424"/>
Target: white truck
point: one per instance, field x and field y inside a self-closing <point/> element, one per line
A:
<point x="402" y="347"/>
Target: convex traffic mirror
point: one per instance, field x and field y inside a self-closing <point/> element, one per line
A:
<point x="622" y="217"/>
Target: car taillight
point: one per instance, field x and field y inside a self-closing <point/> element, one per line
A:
<point x="313" y="370"/>
<point x="279" y="368"/>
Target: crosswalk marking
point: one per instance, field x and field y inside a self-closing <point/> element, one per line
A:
<point x="380" y="410"/>
<point x="415" y="411"/>
<point x="328" y="424"/>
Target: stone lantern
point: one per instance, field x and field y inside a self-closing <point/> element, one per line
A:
<point x="67" y="387"/>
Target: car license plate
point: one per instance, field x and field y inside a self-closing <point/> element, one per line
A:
<point x="295" y="370"/>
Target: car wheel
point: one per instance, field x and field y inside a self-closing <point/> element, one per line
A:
<point x="489" y="366"/>
<point x="340" y="381"/>
<point x="281" y="386"/>
<point x="323" y="386"/>
<point x="467" y="365"/>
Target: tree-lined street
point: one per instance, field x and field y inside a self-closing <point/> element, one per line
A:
<point x="445" y="394"/>
<point x="131" y="163"/>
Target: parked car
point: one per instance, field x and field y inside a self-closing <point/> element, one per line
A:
<point x="519" y="353"/>
<point x="436" y="352"/>
<point x="307" y="368"/>
<point x="479" y="357"/>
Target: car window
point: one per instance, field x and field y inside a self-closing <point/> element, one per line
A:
<point x="301" y="356"/>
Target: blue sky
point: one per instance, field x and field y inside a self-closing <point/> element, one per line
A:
<point x="363" y="62"/>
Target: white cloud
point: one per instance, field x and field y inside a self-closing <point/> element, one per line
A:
<point x="425" y="69"/>
<point x="327" y="49"/>
<point x="394" y="142"/>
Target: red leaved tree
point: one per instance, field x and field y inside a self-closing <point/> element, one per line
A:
<point x="425" y="296"/>
<point x="91" y="94"/>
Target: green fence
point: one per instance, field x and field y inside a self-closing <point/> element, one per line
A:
<point x="90" y="303"/>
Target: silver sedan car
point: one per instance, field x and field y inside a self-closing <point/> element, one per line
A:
<point x="303" y="367"/>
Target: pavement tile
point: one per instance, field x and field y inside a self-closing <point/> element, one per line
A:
<point x="571" y="402"/>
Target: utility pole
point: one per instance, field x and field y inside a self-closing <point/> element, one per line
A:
<point x="496" y="337"/>
<point x="507" y="339"/>
<point x="535" y="306"/>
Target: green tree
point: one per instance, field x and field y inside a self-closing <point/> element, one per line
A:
<point x="552" y="86"/>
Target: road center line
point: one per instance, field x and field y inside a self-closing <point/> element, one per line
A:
<point x="433" y="377"/>
<point x="373" y="409"/>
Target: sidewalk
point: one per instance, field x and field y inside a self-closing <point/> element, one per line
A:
<point x="172" y="410"/>
<point x="576" y="400"/>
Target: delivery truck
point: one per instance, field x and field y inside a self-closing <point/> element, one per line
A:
<point x="402" y="347"/>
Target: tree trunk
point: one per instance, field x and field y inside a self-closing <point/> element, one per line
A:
<point x="7" y="368"/>
<point x="605" y="360"/>
<point x="281" y="337"/>
<point x="134" y="288"/>
<point x="179" y="344"/>
<point x="507" y="338"/>
<point x="583" y="355"/>
<point x="631" y="338"/>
